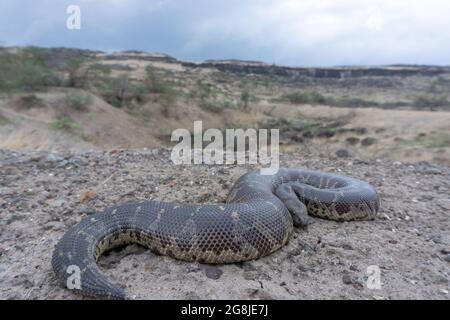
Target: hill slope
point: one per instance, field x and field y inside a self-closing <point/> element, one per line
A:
<point x="44" y="194"/>
<point x="79" y="100"/>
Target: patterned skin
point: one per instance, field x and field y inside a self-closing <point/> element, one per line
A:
<point x="257" y="219"/>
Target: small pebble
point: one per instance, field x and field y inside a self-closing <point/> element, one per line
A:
<point x="213" y="272"/>
<point x="347" y="279"/>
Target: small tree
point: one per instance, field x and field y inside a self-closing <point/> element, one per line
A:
<point x="245" y="98"/>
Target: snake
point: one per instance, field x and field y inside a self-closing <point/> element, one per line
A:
<point x="257" y="218"/>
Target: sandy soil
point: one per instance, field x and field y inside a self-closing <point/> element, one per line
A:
<point x="395" y="131"/>
<point x="43" y="194"/>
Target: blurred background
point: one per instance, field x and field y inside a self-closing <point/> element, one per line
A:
<point x="368" y="80"/>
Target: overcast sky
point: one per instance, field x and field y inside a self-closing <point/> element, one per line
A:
<point x="288" y="32"/>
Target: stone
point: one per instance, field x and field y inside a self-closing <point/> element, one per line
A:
<point x="326" y="133"/>
<point x="343" y="153"/>
<point x="432" y="171"/>
<point x="347" y="279"/>
<point x="250" y="275"/>
<point x="213" y="272"/>
<point x="360" y="130"/>
<point x="54" y="158"/>
<point x="58" y="203"/>
<point x="193" y="267"/>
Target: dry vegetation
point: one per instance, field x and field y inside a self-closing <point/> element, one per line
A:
<point x="70" y="121"/>
<point x="65" y="98"/>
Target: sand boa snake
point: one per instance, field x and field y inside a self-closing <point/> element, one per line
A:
<point x="257" y="219"/>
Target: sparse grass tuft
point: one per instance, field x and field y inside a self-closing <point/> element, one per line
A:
<point x="315" y="98"/>
<point x="63" y="122"/>
<point x="432" y="142"/>
<point x="120" y="91"/>
<point x="155" y="84"/>
<point x="76" y="101"/>
<point x="212" y="98"/>
<point x="73" y="67"/>
<point x="439" y="85"/>
<point x="100" y="68"/>
<point x="212" y="106"/>
<point x="164" y="132"/>
<point x="167" y="94"/>
<point x="305" y="98"/>
<point x="232" y="125"/>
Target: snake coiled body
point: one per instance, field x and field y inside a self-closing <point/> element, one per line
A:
<point x="257" y="219"/>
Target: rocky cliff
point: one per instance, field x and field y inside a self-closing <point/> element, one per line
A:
<point x="332" y="72"/>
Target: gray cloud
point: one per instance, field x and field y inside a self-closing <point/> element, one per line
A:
<point x="308" y="32"/>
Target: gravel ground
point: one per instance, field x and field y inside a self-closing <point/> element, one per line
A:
<point x="43" y="194"/>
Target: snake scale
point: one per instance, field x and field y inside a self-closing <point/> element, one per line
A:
<point x="257" y="219"/>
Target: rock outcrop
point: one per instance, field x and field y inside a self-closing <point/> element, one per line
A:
<point x="251" y="67"/>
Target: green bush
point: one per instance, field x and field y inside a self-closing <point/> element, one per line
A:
<point x="208" y="91"/>
<point x="77" y="101"/>
<point x="26" y="70"/>
<point x="73" y="66"/>
<point x="63" y="122"/>
<point x="118" y="90"/>
<point x="94" y="75"/>
<point x="168" y="95"/>
<point x="164" y="132"/>
<point x="432" y="142"/>
<point x="155" y="84"/>
<point x="216" y="105"/>
<point x="430" y="102"/>
<point x="315" y="98"/>
<point x="441" y="81"/>
<point x="305" y="98"/>
<point x="212" y="98"/>
<point x="353" y="102"/>
<point x="228" y="104"/>
<point x="245" y="98"/>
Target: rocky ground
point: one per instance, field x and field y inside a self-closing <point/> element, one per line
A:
<point x="42" y="194"/>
